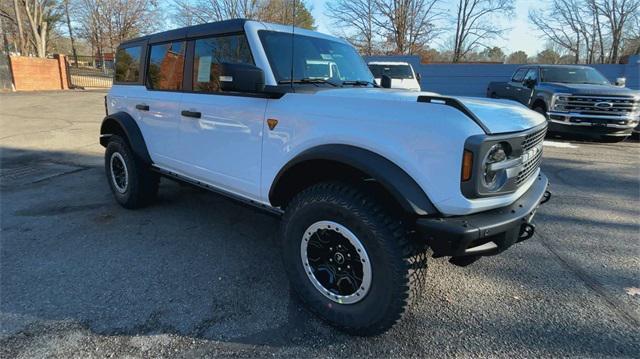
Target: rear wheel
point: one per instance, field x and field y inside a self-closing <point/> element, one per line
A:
<point x="132" y="183"/>
<point x="346" y="258"/>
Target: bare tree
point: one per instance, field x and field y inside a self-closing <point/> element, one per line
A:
<point x="38" y="13"/>
<point x="70" y="29"/>
<point x="409" y="24"/>
<point x="617" y="13"/>
<point x="356" y="19"/>
<point x="202" y="11"/>
<point x="593" y="30"/>
<point x="473" y="25"/>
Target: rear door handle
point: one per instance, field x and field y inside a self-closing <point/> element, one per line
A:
<point x="142" y="107"/>
<point x="193" y="114"/>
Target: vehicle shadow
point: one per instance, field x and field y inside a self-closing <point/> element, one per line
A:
<point x="198" y="265"/>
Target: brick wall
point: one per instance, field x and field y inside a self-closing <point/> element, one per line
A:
<point x="34" y="74"/>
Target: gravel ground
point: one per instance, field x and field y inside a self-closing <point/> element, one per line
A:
<point x="198" y="275"/>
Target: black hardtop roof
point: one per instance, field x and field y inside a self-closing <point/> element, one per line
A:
<point x="212" y="28"/>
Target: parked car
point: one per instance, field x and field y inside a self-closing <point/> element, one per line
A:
<point x="574" y="99"/>
<point x="401" y="73"/>
<point x="363" y="178"/>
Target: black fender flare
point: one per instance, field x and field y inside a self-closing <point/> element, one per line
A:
<point x="123" y="123"/>
<point x="394" y="179"/>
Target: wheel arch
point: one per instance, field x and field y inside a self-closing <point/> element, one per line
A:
<point x="122" y="124"/>
<point x="539" y="102"/>
<point x="331" y="162"/>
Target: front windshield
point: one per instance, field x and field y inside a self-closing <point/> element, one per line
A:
<point x="572" y="75"/>
<point x="314" y="58"/>
<point x="393" y="71"/>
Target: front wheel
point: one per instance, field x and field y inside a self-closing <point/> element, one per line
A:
<point x="346" y="258"/>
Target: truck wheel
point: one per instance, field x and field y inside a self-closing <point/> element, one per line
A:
<point x="346" y="258"/>
<point x="132" y="183"/>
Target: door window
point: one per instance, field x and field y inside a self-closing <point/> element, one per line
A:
<point x="210" y="53"/>
<point x="532" y="74"/>
<point x="166" y="66"/>
<point x="519" y="75"/>
<point x="128" y="65"/>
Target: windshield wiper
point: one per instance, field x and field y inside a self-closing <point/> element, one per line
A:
<point x="315" y="81"/>
<point x="360" y="83"/>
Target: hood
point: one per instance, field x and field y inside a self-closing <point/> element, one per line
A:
<point x="498" y="116"/>
<point x="589" y="89"/>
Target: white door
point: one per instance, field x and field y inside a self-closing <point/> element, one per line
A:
<point x="221" y="132"/>
<point x="159" y="109"/>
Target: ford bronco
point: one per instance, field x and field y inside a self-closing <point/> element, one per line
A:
<point x="363" y="178"/>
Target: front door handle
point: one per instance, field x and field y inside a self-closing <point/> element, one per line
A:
<point x="193" y="114"/>
<point x="142" y="107"/>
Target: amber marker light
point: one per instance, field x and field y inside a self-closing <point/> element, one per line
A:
<point x="467" y="165"/>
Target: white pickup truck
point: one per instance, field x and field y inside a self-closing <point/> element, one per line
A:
<point x="364" y="178"/>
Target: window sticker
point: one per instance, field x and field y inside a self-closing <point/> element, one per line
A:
<point x="204" y="69"/>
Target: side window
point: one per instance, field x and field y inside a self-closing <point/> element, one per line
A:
<point x="532" y="74"/>
<point x="519" y="75"/>
<point x="128" y="64"/>
<point x="210" y="53"/>
<point x="166" y="66"/>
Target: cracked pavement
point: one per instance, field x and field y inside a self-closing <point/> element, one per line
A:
<point x="196" y="275"/>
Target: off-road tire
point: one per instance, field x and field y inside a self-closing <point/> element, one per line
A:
<point x="385" y="239"/>
<point x="142" y="184"/>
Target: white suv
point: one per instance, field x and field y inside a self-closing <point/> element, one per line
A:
<point x="364" y="178"/>
<point x="401" y="74"/>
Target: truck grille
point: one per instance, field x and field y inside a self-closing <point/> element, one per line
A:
<point x="599" y="105"/>
<point x="532" y="149"/>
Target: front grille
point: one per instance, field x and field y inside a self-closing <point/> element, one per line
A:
<point x="532" y="163"/>
<point x="598" y="105"/>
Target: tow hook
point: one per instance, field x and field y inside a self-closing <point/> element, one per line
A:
<point x="545" y="197"/>
<point x="526" y="231"/>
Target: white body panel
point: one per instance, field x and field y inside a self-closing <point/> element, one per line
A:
<point x="230" y="147"/>
<point x="224" y="146"/>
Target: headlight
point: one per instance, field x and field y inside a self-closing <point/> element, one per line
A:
<point x="559" y="102"/>
<point x="494" y="176"/>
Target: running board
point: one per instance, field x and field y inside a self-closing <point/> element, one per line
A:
<point x="237" y="198"/>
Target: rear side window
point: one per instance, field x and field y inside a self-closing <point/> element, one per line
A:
<point x="128" y="65"/>
<point x="210" y="53"/>
<point x="519" y="75"/>
<point x="166" y="66"/>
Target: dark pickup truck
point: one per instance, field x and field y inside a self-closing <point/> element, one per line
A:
<point x="575" y="100"/>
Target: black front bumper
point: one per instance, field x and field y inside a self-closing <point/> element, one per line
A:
<point x="485" y="233"/>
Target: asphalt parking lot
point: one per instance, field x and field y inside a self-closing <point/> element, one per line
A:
<point x="198" y="275"/>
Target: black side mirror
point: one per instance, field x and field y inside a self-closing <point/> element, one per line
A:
<point x="418" y="77"/>
<point x="530" y="83"/>
<point x="241" y="78"/>
<point x="385" y="81"/>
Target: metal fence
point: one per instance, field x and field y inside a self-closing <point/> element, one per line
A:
<point x="90" y="71"/>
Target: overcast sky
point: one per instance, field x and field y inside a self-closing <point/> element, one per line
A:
<point x="521" y="36"/>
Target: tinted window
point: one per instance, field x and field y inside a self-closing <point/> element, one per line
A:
<point x="166" y="66"/>
<point x="315" y="58"/>
<point x="519" y="75"/>
<point x="573" y="75"/>
<point x="128" y="64"/>
<point x="210" y="53"/>
<point x="393" y="71"/>
<point x="532" y="74"/>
